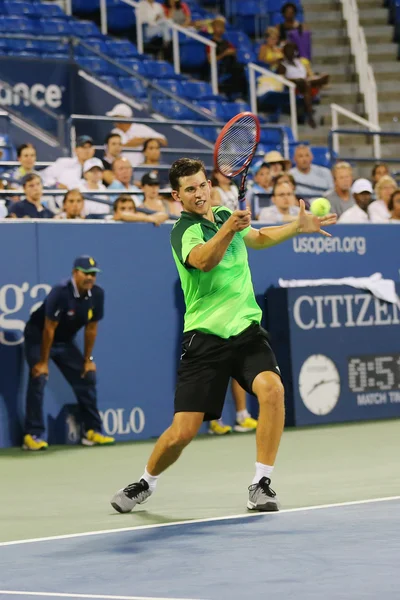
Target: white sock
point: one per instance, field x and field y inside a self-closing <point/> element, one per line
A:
<point x="151" y="479"/>
<point x="262" y="471"/>
<point x="241" y="415"/>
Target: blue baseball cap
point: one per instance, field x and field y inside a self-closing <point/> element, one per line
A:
<point x="84" y="139"/>
<point x="87" y="264"/>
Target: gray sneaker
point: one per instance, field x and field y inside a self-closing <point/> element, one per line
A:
<point x="262" y="497"/>
<point x="127" y="498"/>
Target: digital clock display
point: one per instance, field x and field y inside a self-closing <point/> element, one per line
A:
<point x="374" y="373"/>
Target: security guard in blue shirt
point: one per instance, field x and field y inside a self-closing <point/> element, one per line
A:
<point x="49" y="333"/>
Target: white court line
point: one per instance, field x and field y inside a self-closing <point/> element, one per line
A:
<point x="194" y="521"/>
<point x="90" y="596"/>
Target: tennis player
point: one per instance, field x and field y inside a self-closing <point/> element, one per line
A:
<point x="222" y="334"/>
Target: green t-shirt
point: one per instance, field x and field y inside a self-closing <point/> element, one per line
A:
<point x="222" y="301"/>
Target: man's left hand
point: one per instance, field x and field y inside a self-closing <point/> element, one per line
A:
<point x="307" y="223"/>
<point x="88" y="365"/>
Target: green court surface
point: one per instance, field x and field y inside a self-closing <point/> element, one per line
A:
<point x="67" y="489"/>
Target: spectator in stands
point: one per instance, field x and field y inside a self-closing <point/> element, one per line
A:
<point x="289" y="13"/>
<point x="394" y="207"/>
<point x="340" y="196"/>
<point x="133" y="135"/>
<point x="31" y="207"/>
<point x="231" y="73"/>
<point x="283" y="209"/>
<point x="288" y="178"/>
<point x="270" y="52"/>
<point x="152" y="202"/>
<point x="26" y="154"/>
<point x="262" y="184"/>
<point x="311" y="180"/>
<point x="178" y="12"/>
<point x="224" y="191"/>
<point x="359" y="213"/>
<point x="277" y="163"/>
<point x="92" y="182"/>
<point x="124" y="209"/>
<point x="123" y="174"/>
<point x="157" y="32"/>
<point x="112" y="150"/>
<point x="73" y="205"/>
<point x="152" y="156"/>
<point x="379" y="210"/>
<point x="296" y="71"/>
<point x="66" y="173"/>
<point x="378" y="171"/>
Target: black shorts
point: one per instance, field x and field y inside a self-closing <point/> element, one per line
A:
<point x="208" y="362"/>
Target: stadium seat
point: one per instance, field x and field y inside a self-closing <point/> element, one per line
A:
<point x="47" y="10"/>
<point x="96" y="44"/>
<point x="193" y="90"/>
<point x="212" y="106"/>
<point x="14" y="24"/>
<point x="110" y="80"/>
<point x="98" y="66"/>
<point x="158" y="69"/>
<point x="120" y="17"/>
<point x="174" y="110"/>
<point x="239" y="39"/>
<point x="193" y="55"/>
<point x="85" y="29"/>
<point x="85" y="6"/>
<point x="3" y="47"/>
<point x="23" y="47"/>
<point x="20" y="9"/>
<point x="133" y="87"/>
<point x="245" y="56"/>
<point x="138" y="66"/>
<point x="230" y="109"/>
<point x="121" y="49"/>
<point x="55" y="27"/>
<point x="50" y="48"/>
<point x="171" y="85"/>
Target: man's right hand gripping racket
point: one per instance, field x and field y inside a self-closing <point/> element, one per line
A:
<point x="235" y="148"/>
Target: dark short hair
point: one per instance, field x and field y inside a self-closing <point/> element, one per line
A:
<point x="391" y="201"/>
<point x="184" y="167"/>
<point x="123" y="198"/>
<point x="147" y="142"/>
<point x="376" y="167"/>
<point x="23" y="147"/>
<point x="276" y="184"/>
<point x="275" y="180"/>
<point x="71" y="192"/>
<point x="30" y="177"/>
<point x="289" y="5"/>
<point x="111" y="135"/>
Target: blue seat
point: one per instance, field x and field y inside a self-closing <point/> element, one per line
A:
<point x="14" y="24"/>
<point x="138" y="66"/>
<point x="85" y="6"/>
<point x="110" y="80"/>
<point x="96" y="65"/>
<point x="50" y="48"/>
<point x="19" y="9"/>
<point x="193" y="90"/>
<point x="232" y="109"/>
<point x="94" y="43"/>
<point x="173" y="109"/>
<point x="246" y="56"/>
<point x="208" y="133"/>
<point x="85" y="29"/>
<point x="3" y="47"/>
<point x="158" y="69"/>
<point x="239" y="39"/>
<point x="47" y="10"/>
<point x="121" y="49"/>
<point x="23" y="47"/>
<point x="120" y="17"/>
<point x="214" y="107"/>
<point x="172" y="85"/>
<point x="133" y="87"/>
<point x="193" y="55"/>
<point x="321" y="156"/>
<point x="55" y="27"/>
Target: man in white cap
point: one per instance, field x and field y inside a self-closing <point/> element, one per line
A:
<point x="133" y="135"/>
<point x="362" y="193"/>
<point x="92" y="182"/>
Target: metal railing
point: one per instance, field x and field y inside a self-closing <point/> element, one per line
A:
<point x="371" y="127"/>
<point x="175" y="31"/>
<point x="253" y="68"/>
<point x="359" y="50"/>
<point x="335" y="132"/>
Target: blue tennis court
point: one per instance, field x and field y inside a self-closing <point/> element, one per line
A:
<point x="348" y="550"/>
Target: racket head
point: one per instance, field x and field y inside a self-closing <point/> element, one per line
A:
<point x="236" y="144"/>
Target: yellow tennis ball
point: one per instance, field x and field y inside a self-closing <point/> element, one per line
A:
<point x="320" y="207"/>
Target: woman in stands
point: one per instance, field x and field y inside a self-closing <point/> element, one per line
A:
<point x="73" y="206"/>
<point x="290" y="23"/>
<point x="270" y="52"/>
<point x="378" y="171"/>
<point x="152" y="158"/>
<point x="178" y="12"/>
<point x="224" y="192"/>
<point x="295" y="70"/>
<point x="379" y="211"/>
<point x="394" y="207"/>
<point x="26" y="154"/>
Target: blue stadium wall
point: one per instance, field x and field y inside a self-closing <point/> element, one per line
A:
<point x="138" y="344"/>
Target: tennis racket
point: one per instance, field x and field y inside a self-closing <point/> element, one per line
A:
<point x="235" y="148"/>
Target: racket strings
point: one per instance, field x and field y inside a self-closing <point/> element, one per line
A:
<point x="237" y="146"/>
